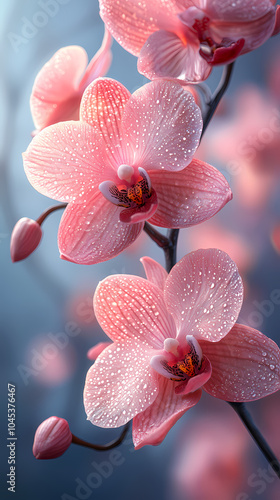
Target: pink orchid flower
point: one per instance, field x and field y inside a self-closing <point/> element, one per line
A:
<point x="183" y="39"/>
<point x="172" y="335"/>
<point x="60" y="84"/>
<point x="127" y="160"/>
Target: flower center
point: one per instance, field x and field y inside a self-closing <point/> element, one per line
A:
<point x="179" y="363"/>
<point x="128" y="195"/>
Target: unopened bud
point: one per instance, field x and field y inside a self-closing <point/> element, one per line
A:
<point x="52" y="438"/>
<point x="25" y="238"/>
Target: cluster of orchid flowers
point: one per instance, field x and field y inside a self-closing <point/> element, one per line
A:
<point x="117" y="160"/>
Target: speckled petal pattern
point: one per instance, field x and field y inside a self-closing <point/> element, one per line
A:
<point x="163" y="123"/>
<point x="91" y="232"/>
<point x="120" y="384"/>
<point x="190" y="196"/>
<point x="152" y="425"/>
<point x="129" y="307"/>
<point x="245" y="365"/>
<point x="204" y="294"/>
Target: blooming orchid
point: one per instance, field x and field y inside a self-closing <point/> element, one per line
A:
<point x="173" y="335"/>
<point x="128" y="159"/>
<point x="60" y="84"/>
<point x="184" y="39"/>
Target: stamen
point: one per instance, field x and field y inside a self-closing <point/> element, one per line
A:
<point x="125" y="172"/>
<point x="171" y="345"/>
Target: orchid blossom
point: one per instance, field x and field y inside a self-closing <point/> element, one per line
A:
<point x="127" y="160"/>
<point x="184" y="39"/>
<point x="172" y="336"/>
<point x="60" y="84"/>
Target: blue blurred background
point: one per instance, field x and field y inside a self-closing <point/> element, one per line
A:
<point x="44" y="294"/>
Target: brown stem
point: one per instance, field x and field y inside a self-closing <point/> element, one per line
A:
<point x="102" y="447"/>
<point x="49" y="211"/>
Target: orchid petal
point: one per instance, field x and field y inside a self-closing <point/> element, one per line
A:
<point x="152" y="425"/>
<point x="131" y="22"/>
<point x="102" y="106"/>
<point x="119" y="385"/>
<point x="190" y="196"/>
<point x="245" y="365"/>
<point x="100" y="62"/>
<point x="57" y="82"/>
<point x="64" y="159"/>
<point x="204" y="294"/>
<point x="164" y="125"/>
<point x="91" y="232"/>
<point x="166" y="55"/>
<point x="154" y="271"/>
<point x="129" y="307"/>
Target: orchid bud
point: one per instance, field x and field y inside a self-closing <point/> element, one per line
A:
<point x="52" y="438"/>
<point x="25" y="238"/>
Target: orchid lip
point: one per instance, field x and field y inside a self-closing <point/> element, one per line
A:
<point x="179" y="362"/>
<point x="128" y="194"/>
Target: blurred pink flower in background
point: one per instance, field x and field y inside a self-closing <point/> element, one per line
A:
<point x="248" y="144"/>
<point x="172" y="335"/>
<point x="128" y="159"/>
<point x="183" y="39"/>
<point x="59" y="86"/>
<point x="50" y="359"/>
<point x="216" y="235"/>
<point x="211" y="460"/>
<point x="275" y="237"/>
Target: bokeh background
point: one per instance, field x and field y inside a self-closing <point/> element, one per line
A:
<point x="207" y="454"/>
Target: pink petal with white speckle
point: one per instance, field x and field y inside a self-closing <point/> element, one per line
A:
<point x="163" y="124"/>
<point x="129" y="307"/>
<point x="154" y="272"/>
<point x="102" y="107"/>
<point x="190" y="196"/>
<point x="166" y="55"/>
<point x="152" y="425"/>
<point x="91" y="232"/>
<point x="131" y="22"/>
<point x="56" y="83"/>
<point x="65" y="159"/>
<point x="204" y="294"/>
<point x="120" y="384"/>
<point x="245" y="365"/>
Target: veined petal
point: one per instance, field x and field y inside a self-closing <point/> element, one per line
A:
<point x="242" y="11"/>
<point x="189" y="197"/>
<point x="255" y="32"/>
<point x="204" y="294"/>
<point x="166" y="55"/>
<point x="245" y="365"/>
<point x="100" y="62"/>
<point x="163" y="124"/>
<point x="119" y="385"/>
<point x="152" y="425"/>
<point x="91" y="232"/>
<point x="57" y="81"/>
<point x="102" y="107"/>
<point x="65" y="159"/>
<point x="129" y="307"/>
<point x="131" y="22"/>
<point x="154" y="272"/>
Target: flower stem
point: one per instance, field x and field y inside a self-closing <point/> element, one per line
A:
<point x="49" y="211"/>
<point x="217" y="96"/>
<point x="100" y="447"/>
<point x="246" y="418"/>
<point x="167" y="243"/>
